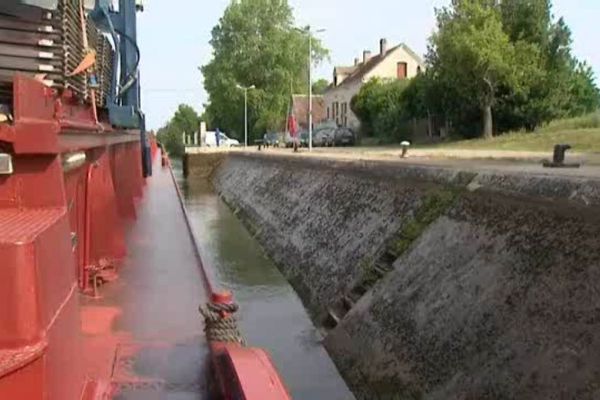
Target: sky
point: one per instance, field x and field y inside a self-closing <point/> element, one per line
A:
<point x="174" y="39"/>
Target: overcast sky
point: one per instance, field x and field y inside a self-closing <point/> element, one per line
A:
<point x="174" y="37"/>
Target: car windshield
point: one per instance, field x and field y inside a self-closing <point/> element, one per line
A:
<point x="327" y="125"/>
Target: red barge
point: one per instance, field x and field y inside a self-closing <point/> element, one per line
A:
<point x="100" y="276"/>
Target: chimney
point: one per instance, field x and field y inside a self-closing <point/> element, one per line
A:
<point x="366" y="56"/>
<point x="356" y="61"/>
<point x="383" y="47"/>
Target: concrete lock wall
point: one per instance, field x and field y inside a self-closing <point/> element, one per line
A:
<point x="444" y="284"/>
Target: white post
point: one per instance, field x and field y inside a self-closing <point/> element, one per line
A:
<point x="246" y="118"/>
<point x="203" y="134"/>
<point x="310" y="105"/>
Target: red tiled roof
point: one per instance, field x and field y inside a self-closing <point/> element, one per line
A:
<point x="364" y="68"/>
<point x="346" y="70"/>
<point x="300" y="109"/>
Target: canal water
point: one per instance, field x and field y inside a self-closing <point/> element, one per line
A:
<point x="272" y="316"/>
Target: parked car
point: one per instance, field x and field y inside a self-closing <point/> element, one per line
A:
<point x="271" y="139"/>
<point x="324" y="137"/>
<point x="344" y="137"/>
<point x="303" y="138"/>
<point x="224" y="140"/>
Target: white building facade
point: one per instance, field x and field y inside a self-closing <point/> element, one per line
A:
<point x="398" y="62"/>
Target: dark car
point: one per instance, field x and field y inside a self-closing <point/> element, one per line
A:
<point x="303" y="138"/>
<point x="324" y="137"/>
<point x="344" y="137"/>
<point x="271" y="139"/>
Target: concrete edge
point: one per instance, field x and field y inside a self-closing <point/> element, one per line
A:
<point x="583" y="191"/>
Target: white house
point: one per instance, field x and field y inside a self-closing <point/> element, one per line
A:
<point x="398" y="62"/>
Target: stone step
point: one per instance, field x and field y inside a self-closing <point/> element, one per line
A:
<point x="348" y="303"/>
<point x="382" y="269"/>
<point x="359" y="290"/>
<point x="356" y="296"/>
<point x="389" y="257"/>
<point x="332" y="320"/>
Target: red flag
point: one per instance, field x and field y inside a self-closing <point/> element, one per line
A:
<point x="292" y="125"/>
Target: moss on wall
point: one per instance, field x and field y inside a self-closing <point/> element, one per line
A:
<point x="435" y="203"/>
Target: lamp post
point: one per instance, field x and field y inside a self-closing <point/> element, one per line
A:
<point x="309" y="32"/>
<point x="245" y="89"/>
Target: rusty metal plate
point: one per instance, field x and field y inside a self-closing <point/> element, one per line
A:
<point x="161" y="371"/>
<point x="6" y="167"/>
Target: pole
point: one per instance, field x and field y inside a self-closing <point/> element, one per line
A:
<point x="246" y="118"/>
<point x="310" y="105"/>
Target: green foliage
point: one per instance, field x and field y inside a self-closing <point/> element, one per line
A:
<point x="380" y="107"/>
<point x="583" y="93"/>
<point x="493" y="67"/>
<point x="369" y="275"/>
<point x="171" y="140"/>
<point x="587" y="121"/>
<point x="561" y="86"/>
<point x="433" y="206"/>
<point x="185" y="120"/>
<point x="255" y="43"/>
<point x="583" y="133"/>
<point x="320" y="86"/>
<point x="471" y="50"/>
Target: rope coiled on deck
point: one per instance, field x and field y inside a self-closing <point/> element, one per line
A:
<point x="220" y="324"/>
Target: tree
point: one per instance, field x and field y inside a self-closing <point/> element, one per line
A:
<point x="319" y="87"/>
<point x="558" y="86"/>
<point x="472" y="50"/>
<point x="171" y="140"/>
<point x="382" y="109"/>
<point x="583" y="91"/>
<point x="184" y="121"/>
<point x="255" y="43"/>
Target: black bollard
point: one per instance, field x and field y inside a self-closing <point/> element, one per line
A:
<point x="558" y="160"/>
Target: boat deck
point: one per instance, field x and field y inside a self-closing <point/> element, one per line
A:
<point x="144" y="334"/>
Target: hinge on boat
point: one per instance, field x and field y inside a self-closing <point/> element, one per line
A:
<point x="74" y="241"/>
<point x="6" y="166"/>
<point x="105" y="271"/>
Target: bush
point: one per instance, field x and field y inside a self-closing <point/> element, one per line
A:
<point x="171" y="138"/>
<point x="379" y="106"/>
<point x="588" y="121"/>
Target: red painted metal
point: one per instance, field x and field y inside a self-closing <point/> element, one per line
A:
<point x="57" y="227"/>
<point x="105" y="234"/>
<point x="84" y="274"/>
<point x="246" y="373"/>
<point x="40" y="337"/>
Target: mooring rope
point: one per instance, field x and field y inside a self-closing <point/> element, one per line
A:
<point x="220" y="324"/>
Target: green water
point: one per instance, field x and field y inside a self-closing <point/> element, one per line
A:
<point x="272" y="316"/>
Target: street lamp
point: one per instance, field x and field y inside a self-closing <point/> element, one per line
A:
<point x="309" y="32"/>
<point x="245" y="89"/>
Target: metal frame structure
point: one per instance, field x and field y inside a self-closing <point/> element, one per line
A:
<point x="70" y="180"/>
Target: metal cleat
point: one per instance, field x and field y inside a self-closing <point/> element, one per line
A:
<point x="6" y="167"/>
<point x="558" y="160"/>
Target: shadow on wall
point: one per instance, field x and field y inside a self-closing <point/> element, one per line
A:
<point x="441" y="284"/>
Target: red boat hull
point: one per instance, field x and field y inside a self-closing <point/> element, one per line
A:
<point x="95" y="279"/>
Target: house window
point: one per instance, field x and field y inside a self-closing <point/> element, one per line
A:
<point x="419" y="70"/>
<point x="344" y="114"/>
<point x="328" y="116"/>
<point x="402" y="70"/>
